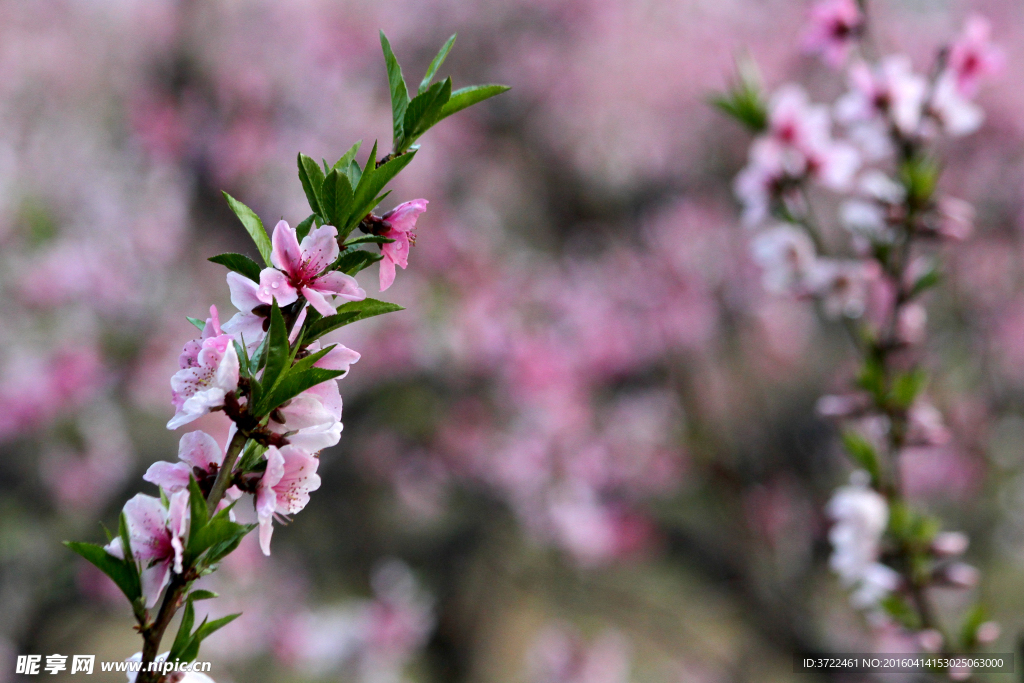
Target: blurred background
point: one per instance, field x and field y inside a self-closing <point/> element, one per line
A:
<point x="587" y="452"/>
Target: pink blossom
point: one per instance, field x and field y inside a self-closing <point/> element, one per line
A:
<point x="298" y="269"/>
<point x="284" y="489"/>
<point x="245" y="326"/>
<point x="209" y="371"/>
<point x="786" y="254"/>
<point x="973" y="56"/>
<point x="179" y="677"/>
<point x="954" y="113"/>
<point x="400" y="222"/>
<point x="889" y="92"/>
<point x="842" y="285"/>
<point x="157" y="538"/>
<point x="833" y="28"/>
<point x="200" y="456"/>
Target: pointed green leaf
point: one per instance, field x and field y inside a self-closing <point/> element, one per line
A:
<point x="278" y="353"/>
<point x="200" y="324"/>
<point x="347" y="158"/>
<point x="336" y="198"/>
<point x="201" y="594"/>
<point x="423" y="112"/>
<point x="312" y="178"/>
<point x="399" y="93"/>
<point x="353" y="261"/>
<point x="297" y="382"/>
<point x="238" y="263"/>
<point x="365" y="196"/>
<point x="367" y="308"/>
<point x="467" y="97"/>
<point x="375" y="239"/>
<point x="308" y="361"/>
<point x="436" y="63"/>
<point x="122" y="572"/>
<point x="184" y="636"/>
<point x="253" y="225"/>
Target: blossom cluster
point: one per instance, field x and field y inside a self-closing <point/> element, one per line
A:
<point x="271" y="372"/>
<point x="875" y="148"/>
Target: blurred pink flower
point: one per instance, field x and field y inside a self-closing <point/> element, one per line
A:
<point x="889" y="91"/>
<point x="833" y="29"/>
<point x="400" y="223"/>
<point x="973" y="56"/>
<point x="298" y="270"/>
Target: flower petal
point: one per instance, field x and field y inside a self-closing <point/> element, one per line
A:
<point x="319" y="249"/>
<point x="340" y="284"/>
<point x="285" y="251"/>
<point x="403" y="217"/>
<point x="168" y="476"/>
<point x="275" y="285"/>
<point x="201" y="450"/>
<point x="243" y="292"/>
<point x="318" y="301"/>
<point x="387" y="273"/>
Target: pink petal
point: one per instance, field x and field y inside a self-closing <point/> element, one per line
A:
<point x="403" y="217"/>
<point x="387" y="273"/>
<point x="115" y="548"/>
<point x="266" y="531"/>
<point x="168" y="476"/>
<point x="201" y="450"/>
<point x="318" y="301"/>
<point x="275" y="285"/>
<point x="315" y="439"/>
<point x="338" y="358"/>
<point x="154" y="579"/>
<point x="340" y="284"/>
<point x="329" y="395"/>
<point x="244" y="292"/>
<point x="297" y="326"/>
<point x="397" y="251"/>
<point x="319" y="249"/>
<point x="305" y="410"/>
<point x="247" y="328"/>
<point x="147" y="527"/>
<point x="285" y="251"/>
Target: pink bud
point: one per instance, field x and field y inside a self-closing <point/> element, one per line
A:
<point x="949" y="543"/>
<point x="962" y="575"/>
<point x="987" y="632"/>
<point x="930" y="640"/>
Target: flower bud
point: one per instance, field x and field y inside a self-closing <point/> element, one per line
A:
<point x="930" y="640"/>
<point x="962" y="575"/>
<point x="987" y="632"/>
<point x="950" y="543"/>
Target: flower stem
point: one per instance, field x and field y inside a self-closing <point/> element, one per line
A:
<point x="226" y="472"/>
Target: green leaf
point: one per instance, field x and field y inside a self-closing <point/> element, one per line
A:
<point x="253" y="225"/>
<point x="872" y="379"/>
<point x="863" y="453"/>
<point x="307" y="362"/>
<point x="184" y="635"/>
<point x="975" y="617"/>
<point x="250" y="456"/>
<point x="898" y="607"/>
<point x="122" y="572"/>
<point x="303" y="228"/>
<point x="347" y="159"/>
<point x="353" y="261"/>
<point x="423" y="112"/>
<point x="467" y="97"/>
<point x="906" y="387"/>
<point x="202" y="594"/>
<point x="200" y="324"/>
<point x="399" y="93"/>
<point x="336" y="198"/>
<point x="238" y="263"/>
<point x="278" y="353"/>
<point x="744" y="100"/>
<point x="312" y="178"/>
<point x="375" y="239"/>
<point x="297" y="382"/>
<point x="372" y="182"/>
<point x="218" y="530"/>
<point x="436" y="63"/>
<point x="367" y="308"/>
<point x="929" y="279"/>
<point x="219" y="551"/>
<point x="205" y="630"/>
<point x="920" y="175"/>
<point x="199" y="513"/>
